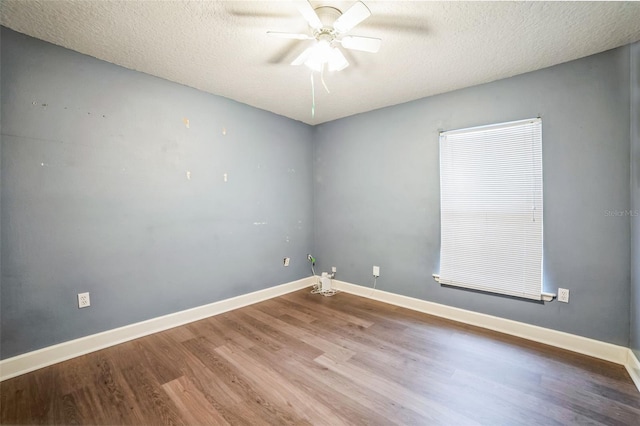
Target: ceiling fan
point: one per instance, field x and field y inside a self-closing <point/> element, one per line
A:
<point x="329" y="26"/>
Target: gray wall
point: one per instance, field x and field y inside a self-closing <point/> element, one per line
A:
<point x="95" y="196"/>
<point x="377" y="193"/>
<point x="635" y="198"/>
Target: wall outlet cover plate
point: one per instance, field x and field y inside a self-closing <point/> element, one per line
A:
<point x="83" y="300"/>
<point x="563" y="295"/>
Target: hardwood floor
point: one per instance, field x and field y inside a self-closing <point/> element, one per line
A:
<point x="307" y="359"/>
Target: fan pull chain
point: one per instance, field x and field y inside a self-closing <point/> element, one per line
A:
<point x="322" y="79"/>
<point x="313" y="97"/>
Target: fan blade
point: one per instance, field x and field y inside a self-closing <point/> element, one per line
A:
<point x="352" y="17"/>
<point x="364" y="44"/>
<point x="302" y="58"/>
<point x="310" y="15"/>
<point x="289" y="35"/>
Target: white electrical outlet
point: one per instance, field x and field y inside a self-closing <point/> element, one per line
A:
<point x="285" y="262"/>
<point x="376" y="271"/>
<point x="83" y="300"/>
<point x="333" y="269"/>
<point x="563" y="295"/>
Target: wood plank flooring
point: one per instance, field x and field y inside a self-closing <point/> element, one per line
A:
<point x="306" y="359"/>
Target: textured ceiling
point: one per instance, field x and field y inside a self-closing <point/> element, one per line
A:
<point x="427" y="47"/>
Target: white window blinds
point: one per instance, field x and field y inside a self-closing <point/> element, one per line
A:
<point x="491" y="208"/>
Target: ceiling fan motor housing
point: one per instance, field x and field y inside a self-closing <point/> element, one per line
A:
<point x="327" y="16"/>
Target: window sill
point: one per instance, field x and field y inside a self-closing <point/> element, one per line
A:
<point x="545" y="297"/>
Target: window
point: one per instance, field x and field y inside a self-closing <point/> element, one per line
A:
<point x="491" y="208"/>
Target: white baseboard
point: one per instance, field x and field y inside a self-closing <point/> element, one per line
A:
<point x="30" y="361"/>
<point x="572" y="342"/>
<point x="633" y="368"/>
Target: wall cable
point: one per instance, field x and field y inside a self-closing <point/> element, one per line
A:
<point x="375" y="279"/>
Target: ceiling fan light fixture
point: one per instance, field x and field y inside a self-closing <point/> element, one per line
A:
<point x="314" y="63"/>
<point x="322" y="55"/>
<point x="329" y="26"/>
<point x="337" y="62"/>
<point x="302" y="58"/>
<point x="319" y="55"/>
